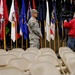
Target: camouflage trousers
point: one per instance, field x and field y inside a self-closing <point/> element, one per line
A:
<point x="34" y="43"/>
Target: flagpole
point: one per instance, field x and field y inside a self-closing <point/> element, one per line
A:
<point x="50" y="43"/>
<point x="45" y="33"/>
<point x="62" y="35"/>
<point x="26" y="43"/>
<point x="66" y="37"/>
<point x="62" y="23"/>
<point x="1" y="29"/>
<point x="4" y="37"/>
<point x="22" y="41"/>
<point x="16" y="34"/>
<point x="54" y="44"/>
<point x="41" y="38"/>
<point x="11" y="44"/>
<point x="0" y="44"/>
<point x="58" y="34"/>
<point x="1" y="33"/>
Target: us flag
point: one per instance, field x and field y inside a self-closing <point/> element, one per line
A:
<point x="53" y="20"/>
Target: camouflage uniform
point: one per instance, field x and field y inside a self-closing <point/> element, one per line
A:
<point x="34" y="32"/>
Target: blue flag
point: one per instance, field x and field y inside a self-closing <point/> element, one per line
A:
<point x="53" y="20"/>
<point x="54" y="12"/>
<point x="23" y="22"/>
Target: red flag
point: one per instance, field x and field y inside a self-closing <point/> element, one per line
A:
<point x="18" y="36"/>
<point x="5" y="12"/>
<point x="34" y="5"/>
<point x="17" y="10"/>
<point x="3" y="18"/>
<point x="17" y="19"/>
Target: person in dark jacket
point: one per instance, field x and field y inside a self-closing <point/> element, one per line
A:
<point x="71" y="35"/>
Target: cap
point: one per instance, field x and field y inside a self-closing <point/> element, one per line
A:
<point x="34" y="11"/>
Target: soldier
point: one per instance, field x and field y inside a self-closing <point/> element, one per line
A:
<point x="34" y="29"/>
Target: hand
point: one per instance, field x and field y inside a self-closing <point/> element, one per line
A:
<point x="65" y="20"/>
<point x="41" y="36"/>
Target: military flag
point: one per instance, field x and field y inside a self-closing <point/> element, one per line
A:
<point x="47" y="28"/>
<point x="23" y="22"/>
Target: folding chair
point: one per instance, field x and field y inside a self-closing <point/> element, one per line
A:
<point x="18" y="49"/>
<point x="29" y="56"/>
<point x="34" y="50"/>
<point x="2" y="51"/>
<point x="62" y="48"/>
<point x="31" y="48"/>
<point x="65" y="51"/>
<point x="11" y="71"/>
<point x="16" y="53"/>
<point x="67" y="56"/>
<point x="71" y="65"/>
<point x="48" y="53"/>
<point x="46" y="49"/>
<point x="43" y="68"/>
<point x="48" y="58"/>
<point x="20" y="63"/>
<point x="5" y="58"/>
